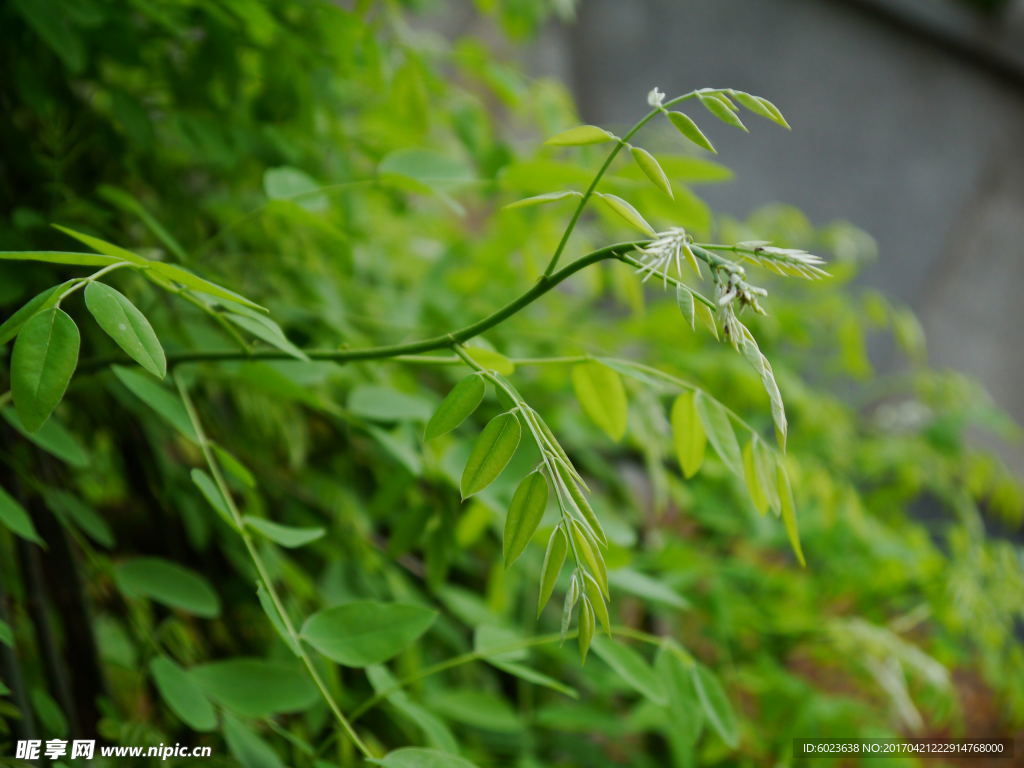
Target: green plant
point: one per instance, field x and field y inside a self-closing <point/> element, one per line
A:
<point x="413" y="554"/>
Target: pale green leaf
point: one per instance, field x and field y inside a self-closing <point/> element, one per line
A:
<point x="719" y="431"/>
<point x="115" y="252"/>
<point x="686" y="302"/>
<point x="16" y="518"/>
<point x="581" y="134"/>
<point x="720" y="107"/>
<point x="716" y="704"/>
<point x="685" y="125"/>
<point x="418" y="757"/>
<point x="265" y="329"/>
<point x="632" y="668"/>
<point x="549" y="197"/>
<point x="476" y="707"/>
<point x="602" y="396"/>
<point x="688" y="434"/>
<point x="54" y="438"/>
<point x="44" y="359"/>
<point x="457" y="406"/>
<point x="381" y="403"/>
<point x="163" y="401"/>
<point x="255" y="687"/>
<point x="652" y="169"/>
<point x="247" y="748"/>
<point x="286" y="535"/>
<point x="524" y="515"/>
<point x="363" y="633"/>
<point x="183" y="277"/>
<point x="285" y="183"/>
<point x="760" y="106"/>
<point x="554" y="559"/>
<point x="626" y="211"/>
<point x="490" y="360"/>
<point x="788" y="507"/>
<point x="491" y="453"/>
<point x="168" y="583"/>
<point x="585" y="628"/>
<point x="61" y="257"/>
<point x="182" y="694"/>
<point x="127" y="326"/>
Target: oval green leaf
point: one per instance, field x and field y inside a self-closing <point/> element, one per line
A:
<point x="688" y="433"/>
<point x="690" y="131"/>
<point x="14" y="517"/>
<point x="44" y="358"/>
<point x="719" y="430"/>
<point x="127" y="326"/>
<point x="789" y="513"/>
<point x="168" y="583"/>
<point x="652" y="169"/>
<point x="554" y="559"/>
<point x="182" y="694"/>
<point x="715" y="704"/>
<point x="626" y="211"/>
<point x="457" y="406"/>
<point x="602" y="396"/>
<point x="363" y="633"/>
<point x="581" y="134"/>
<point x="286" y="535"/>
<point x="632" y="668"/>
<point x="524" y="515"/>
<point x="721" y="107"/>
<point x="255" y="687"/>
<point x="491" y="453"/>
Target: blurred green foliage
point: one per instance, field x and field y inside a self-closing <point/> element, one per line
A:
<point x="346" y="168"/>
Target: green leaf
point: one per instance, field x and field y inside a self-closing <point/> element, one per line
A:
<point x="363" y="633"/>
<point x="685" y="302"/>
<point x="44" y="359"/>
<point x="247" y="748"/>
<point x="581" y="134"/>
<point x="163" y="401"/>
<point x="426" y="169"/>
<point x="127" y="326"/>
<point x="233" y="466"/>
<point x="524" y="515"/>
<point x="554" y="559"/>
<point x="585" y="628"/>
<point x="760" y="106"/>
<point x="755" y="469"/>
<point x="419" y="757"/>
<point x="380" y="403"/>
<point x="476" y="707"/>
<point x="6" y="634"/>
<point x="286" y="535"/>
<point x="579" y="501"/>
<point x="643" y="586"/>
<point x="602" y="396"/>
<point x="14" y="517"/>
<point x="719" y="431"/>
<point x="721" y="107"/>
<point x="434" y="729"/>
<point x="549" y="197"/>
<point x="183" y="277"/>
<point x="632" y="668"/>
<point x="182" y="694"/>
<point x="489" y="359"/>
<point x="592" y="591"/>
<point x="491" y="453"/>
<point x="286" y="183"/>
<point x="73" y="510"/>
<point x="212" y="494"/>
<point x="626" y="211"/>
<point x="685" y="711"/>
<point x="457" y="406"/>
<point x="36" y="304"/>
<point x="716" y="704"/>
<point x="70" y="258"/>
<point x="276" y="619"/>
<point x="789" y="513"/>
<point x="590" y="557"/>
<point x="531" y="675"/>
<point x="706" y="318"/>
<point x="690" y="131"/>
<point x="652" y="169"/>
<point x="256" y="687"/>
<point x="115" y="252"/>
<point x="168" y="583"/>
<point x="688" y="433"/>
<point x="128" y="203"/>
<point x="54" y="438"/>
<point x="265" y="329"/>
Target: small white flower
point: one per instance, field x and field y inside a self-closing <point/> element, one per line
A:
<point x="655" y="98"/>
<point x="663" y="253"/>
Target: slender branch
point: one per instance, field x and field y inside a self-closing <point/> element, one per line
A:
<point x="262" y="570"/>
<point x="619" y="144"/>
<point x="542" y="286"/>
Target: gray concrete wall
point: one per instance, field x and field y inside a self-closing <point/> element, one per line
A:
<point x="907" y="137"/>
